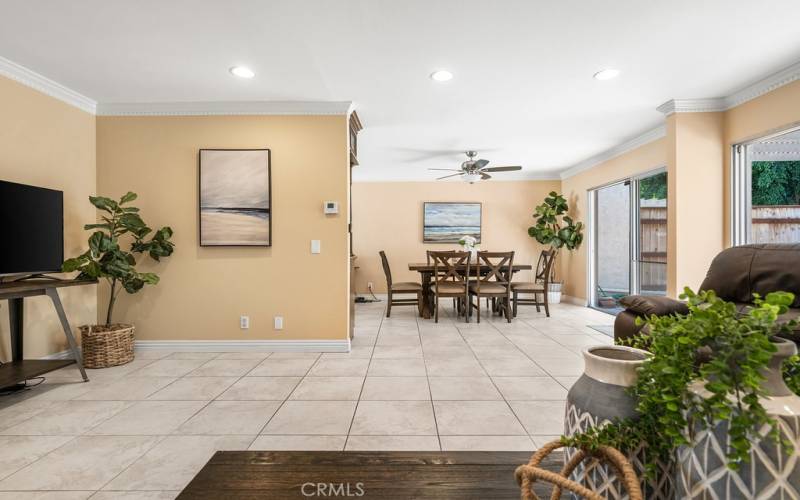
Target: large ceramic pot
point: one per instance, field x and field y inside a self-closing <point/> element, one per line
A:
<point x="770" y="473"/>
<point x="601" y="396"/>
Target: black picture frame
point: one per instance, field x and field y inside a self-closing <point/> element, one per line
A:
<point x="425" y="205"/>
<point x="270" y="213"/>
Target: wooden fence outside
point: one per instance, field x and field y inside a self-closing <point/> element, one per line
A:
<point x="771" y="224"/>
<point x="653" y="246"/>
<point x="776" y="224"/>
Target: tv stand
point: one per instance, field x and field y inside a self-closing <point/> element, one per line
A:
<point x="19" y="369"/>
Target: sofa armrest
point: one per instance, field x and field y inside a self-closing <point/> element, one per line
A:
<point x="649" y="305"/>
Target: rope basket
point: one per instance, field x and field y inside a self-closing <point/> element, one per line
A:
<point x="106" y="346"/>
<point x="527" y="475"/>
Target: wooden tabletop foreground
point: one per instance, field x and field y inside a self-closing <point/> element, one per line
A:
<point x="366" y="475"/>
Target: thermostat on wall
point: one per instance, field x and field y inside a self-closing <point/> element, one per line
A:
<point x="331" y="207"/>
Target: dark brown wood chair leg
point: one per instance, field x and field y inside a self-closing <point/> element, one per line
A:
<point x="389" y="304"/>
<point x="516" y="296"/>
<point x="479" y="308"/>
<point x="546" y="304"/>
<point x="436" y="314"/>
<point x="507" y="308"/>
<point x="419" y="303"/>
<point x="536" y="299"/>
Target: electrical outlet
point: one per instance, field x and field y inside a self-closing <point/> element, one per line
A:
<point x="279" y="322"/>
<point x="316" y="246"/>
<point x="369" y="286"/>
<point x="244" y="322"/>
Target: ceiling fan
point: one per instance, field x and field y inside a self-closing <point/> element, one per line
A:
<point x="474" y="170"/>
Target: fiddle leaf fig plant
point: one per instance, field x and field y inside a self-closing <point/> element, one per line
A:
<point x="714" y="349"/>
<point x="107" y="259"/>
<point x="554" y="227"/>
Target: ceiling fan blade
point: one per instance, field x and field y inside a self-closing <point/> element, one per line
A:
<point x="501" y="169"/>
<point x="446" y="176"/>
<point x="448" y="169"/>
<point x="480" y="163"/>
<point x="485" y="177"/>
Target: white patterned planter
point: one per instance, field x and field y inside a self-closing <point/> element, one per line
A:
<point x="771" y="473"/>
<point x="596" y="399"/>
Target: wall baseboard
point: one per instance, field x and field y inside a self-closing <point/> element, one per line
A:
<point x="231" y="346"/>
<point x="245" y="345"/>
<point x="65" y="354"/>
<point x="569" y="299"/>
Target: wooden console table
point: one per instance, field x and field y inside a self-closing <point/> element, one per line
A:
<point x="378" y="475"/>
<point x="19" y="369"/>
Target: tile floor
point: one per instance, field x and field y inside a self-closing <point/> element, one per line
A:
<point x="143" y="430"/>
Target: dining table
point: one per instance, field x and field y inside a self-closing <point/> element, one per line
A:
<point x="425" y="271"/>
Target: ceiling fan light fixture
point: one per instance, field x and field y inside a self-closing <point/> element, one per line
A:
<point x="471" y="177"/>
<point x="441" y="75"/>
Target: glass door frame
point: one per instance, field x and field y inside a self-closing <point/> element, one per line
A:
<point x="633" y="238"/>
<point x="741" y="187"/>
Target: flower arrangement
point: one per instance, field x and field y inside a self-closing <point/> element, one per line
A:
<point x="469" y="244"/>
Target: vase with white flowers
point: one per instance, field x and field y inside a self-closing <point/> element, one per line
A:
<point x="469" y="244"/>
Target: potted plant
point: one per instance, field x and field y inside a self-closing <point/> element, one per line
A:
<point x="554" y="227"/>
<point x="710" y="398"/>
<point x="111" y="343"/>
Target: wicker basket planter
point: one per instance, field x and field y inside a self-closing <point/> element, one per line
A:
<point x="107" y="345"/>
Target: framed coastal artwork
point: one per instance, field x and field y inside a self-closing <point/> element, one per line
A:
<point x="235" y="197"/>
<point x="449" y="222"/>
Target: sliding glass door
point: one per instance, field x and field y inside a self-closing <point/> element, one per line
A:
<point x="650" y="243"/>
<point x="628" y="239"/>
<point x="766" y="190"/>
<point x="612" y="236"/>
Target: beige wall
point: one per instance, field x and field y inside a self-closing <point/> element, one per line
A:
<point x="388" y="216"/>
<point x="648" y="157"/>
<point x="695" y="217"/>
<point x="45" y="142"/>
<point x="203" y="291"/>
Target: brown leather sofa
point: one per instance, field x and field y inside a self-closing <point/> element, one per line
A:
<point x="735" y="274"/>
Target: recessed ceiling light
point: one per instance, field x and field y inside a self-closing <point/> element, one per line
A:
<point x="441" y="75"/>
<point x="606" y="74"/>
<point x="242" y="72"/>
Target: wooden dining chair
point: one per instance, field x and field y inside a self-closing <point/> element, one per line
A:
<point x="538" y="288"/>
<point x="451" y="279"/>
<point x="495" y="283"/>
<point x="403" y="288"/>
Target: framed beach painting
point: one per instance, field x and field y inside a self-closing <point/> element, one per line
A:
<point x="449" y="222"/>
<point x="235" y="197"/>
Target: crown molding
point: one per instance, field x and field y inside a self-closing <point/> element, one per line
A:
<point x="741" y="96"/>
<point x="764" y="86"/>
<point x="34" y="80"/>
<point x="215" y="108"/>
<point x="638" y="141"/>
<point x="708" y="105"/>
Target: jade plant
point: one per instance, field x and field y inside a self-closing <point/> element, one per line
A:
<point x="107" y="257"/>
<point x="554" y="227"/>
<point x="716" y="347"/>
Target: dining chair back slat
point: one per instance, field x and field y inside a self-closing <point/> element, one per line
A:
<point x="451" y="271"/>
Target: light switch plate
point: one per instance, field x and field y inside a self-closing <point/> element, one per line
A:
<point x="316" y="246"/>
<point x="244" y="322"/>
<point x="279" y="322"/>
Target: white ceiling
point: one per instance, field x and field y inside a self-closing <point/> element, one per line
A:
<point x="523" y="91"/>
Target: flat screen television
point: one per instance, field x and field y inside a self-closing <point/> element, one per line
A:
<point x="31" y="229"/>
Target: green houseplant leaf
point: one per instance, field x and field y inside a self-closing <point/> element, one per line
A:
<point x="106" y="259"/>
<point x="554" y="227"/>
